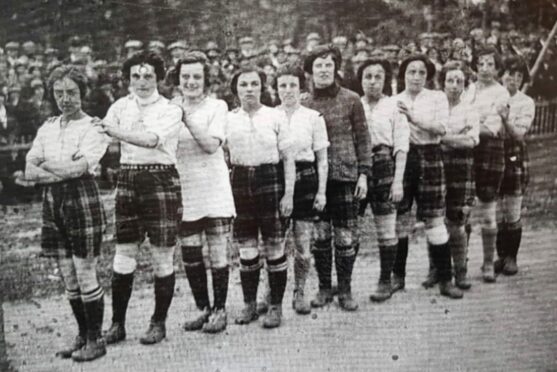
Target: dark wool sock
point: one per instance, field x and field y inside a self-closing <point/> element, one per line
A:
<point x="94" y="312"/>
<point x="164" y="291"/>
<point x="399" y="267"/>
<point x="344" y="263"/>
<point x="249" y="275"/>
<point x="220" y="287"/>
<point x="500" y="246"/>
<point x="277" y="270"/>
<point x="387" y="254"/>
<point x="79" y="313"/>
<point x="323" y="256"/>
<point x="441" y="255"/>
<point x="122" y="285"/>
<point x="197" y="274"/>
<point x="514" y="238"/>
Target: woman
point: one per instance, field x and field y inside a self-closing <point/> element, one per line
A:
<point x="427" y="112"/>
<point x="490" y="99"/>
<point x="462" y="136"/>
<point x="389" y="133"/>
<point x="309" y="146"/>
<point x="207" y="202"/>
<point x="63" y="157"/>
<point x="263" y="187"/>
<point x="516" y="123"/>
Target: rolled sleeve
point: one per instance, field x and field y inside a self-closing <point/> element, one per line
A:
<point x="401" y="132"/>
<point x="36" y="152"/>
<point x="524" y="115"/>
<point x="217" y="126"/>
<point x="284" y="136"/>
<point x="442" y="111"/>
<point x="320" y="138"/>
<point x="473" y="122"/>
<point x="92" y="147"/>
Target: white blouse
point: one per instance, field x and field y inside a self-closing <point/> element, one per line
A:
<point x="463" y="119"/>
<point x="522" y="111"/>
<point x="204" y="177"/>
<point x="386" y="125"/>
<point x="485" y="102"/>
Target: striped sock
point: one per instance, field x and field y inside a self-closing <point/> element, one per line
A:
<point x="277" y="271"/>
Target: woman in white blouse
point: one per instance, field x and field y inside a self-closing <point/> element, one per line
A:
<point x="462" y="136"/>
<point x="309" y="147"/>
<point x="517" y="121"/>
<point x="208" y="205"/>
<point x="389" y="133"/>
<point x="427" y="112"/>
<point x="263" y="175"/>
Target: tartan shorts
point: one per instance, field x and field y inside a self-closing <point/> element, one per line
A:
<point x="74" y="219"/>
<point x="305" y="190"/>
<point x="342" y="208"/>
<point x="380" y="182"/>
<point x="209" y="225"/>
<point x="516" y="175"/>
<point x="459" y="178"/>
<point x="148" y="200"/>
<point x="489" y="167"/>
<point x="424" y="181"/>
<point x="257" y="193"/>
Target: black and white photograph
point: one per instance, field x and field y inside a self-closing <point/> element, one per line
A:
<point x="278" y="185"/>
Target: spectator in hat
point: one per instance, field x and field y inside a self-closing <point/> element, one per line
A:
<point x="156" y="46"/>
<point x="177" y="50"/>
<point x="341" y="43"/>
<point x="494" y="33"/>
<point x="247" y="45"/>
<point x="75" y="44"/>
<point x="12" y="51"/>
<point x="14" y="94"/>
<point x="131" y="47"/>
<point x="29" y="49"/>
<point x="293" y="56"/>
<point x="312" y="40"/>
<point x="212" y="51"/>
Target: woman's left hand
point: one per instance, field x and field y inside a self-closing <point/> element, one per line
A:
<point x="286" y="205"/>
<point x="403" y="109"/>
<point x="361" y="188"/>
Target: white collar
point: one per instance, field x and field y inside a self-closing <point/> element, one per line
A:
<point x="147" y="101"/>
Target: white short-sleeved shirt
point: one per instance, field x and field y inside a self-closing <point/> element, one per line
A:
<point x="159" y="117"/>
<point x="485" y="102"/>
<point x="522" y="111"/>
<point x="386" y="125"/>
<point x="429" y="106"/>
<point x="308" y="133"/>
<point x="60" y="143"/>
<point x="204" y="177"/>
<point x="256" y="140"/>
<point x="463" y="119"/>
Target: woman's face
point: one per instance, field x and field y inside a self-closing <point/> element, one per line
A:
<point x="487" y="69"/>
<point x="512" y="80"/>
<point x="373" y="81"/>
<point x="323" y="69"/>
<point x="192" y="80"/>
<point x="288" y="87"/>
<point x="249" y="88"/>
<point x="39" y="91"/>
<point x="143" y="80"/>
<point x="67" y="96"/>
<point x="454" y="83"/>
<point x="415" y="76"/>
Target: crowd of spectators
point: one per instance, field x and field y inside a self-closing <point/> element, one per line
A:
<point x="24" y="68"/>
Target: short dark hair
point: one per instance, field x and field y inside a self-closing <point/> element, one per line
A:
<point x="247" y="70"/>
<point x="484" y="52"/>
<point x="291" y="70"/>
<point x="430" y="68"/>
<point x="387" y="87"/>
<point x="189" y="59"/>
<point x="144" y="57"/>
<point x="455" y="65"/>
<point x="517" y="64"/>
<point x="322" y="51"/>
<point x="70" y="72"/>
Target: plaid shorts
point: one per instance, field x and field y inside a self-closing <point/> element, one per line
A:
<point x="516" y="176"/>
<point x="148" y="200"/>
<point x="459" y="178"/>
<point x="305" y="190"/>
<point x="342" y="208"/>
<point x="211" y="226"/>
<point x="379" y="184"/>
<point x="489" y="167"/>
<point x="257" y="193"/>
<point x="424" y="180"/>
<point x="73" y="219"/>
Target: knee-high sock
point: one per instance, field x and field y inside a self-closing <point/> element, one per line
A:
<point x="323" y="255"/>
<point x="122" y="285"/>
<point x="489" y="237"/>
<point x="345" y="256"/>
<point x="500" y="245"/>
<point x="197" y="275"/>
<point x="76" y="303"/>
<point x="387" y="254"/>
<point x="93" y="305"/>
<point x="399" y="268"/>
<point x="277" y="278"/>
<point x="220" y="287"/>
<point x="164" y="291"/>
<point x="514" y="231"/>
<point x="441" y="255"/>
<point x="249" y="275"/>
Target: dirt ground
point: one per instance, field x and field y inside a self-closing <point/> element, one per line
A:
<point x="507" y="326"/>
